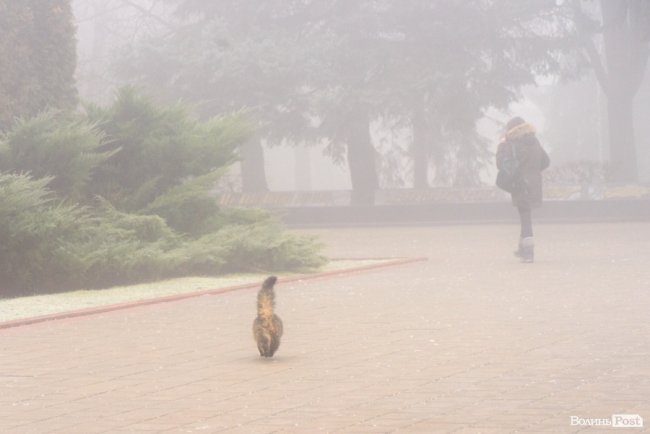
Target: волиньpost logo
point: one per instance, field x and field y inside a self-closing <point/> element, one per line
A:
<point x="616" y="421"/>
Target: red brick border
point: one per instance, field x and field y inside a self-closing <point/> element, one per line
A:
<point x="113" y="307"/>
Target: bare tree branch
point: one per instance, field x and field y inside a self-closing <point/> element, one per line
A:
<point x="148" y="12"/>
<point x="581" y="21"/>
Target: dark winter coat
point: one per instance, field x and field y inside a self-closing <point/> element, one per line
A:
<point x="533" y="160"/>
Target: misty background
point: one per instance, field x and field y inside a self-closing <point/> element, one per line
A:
<point x="433" y="82"/>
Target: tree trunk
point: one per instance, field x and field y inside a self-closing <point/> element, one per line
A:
<point x="622" y="147"/>
<point x="361" y="161"/>
<point x="302" y="167"/>
<point x="626" y="54"/>
<point x="252" y="166"/>
<point x="420" y="151"/>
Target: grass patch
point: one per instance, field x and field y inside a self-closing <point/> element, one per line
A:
<point x="39" y="305"/>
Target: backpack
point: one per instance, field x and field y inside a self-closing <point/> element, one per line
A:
<point x="509" y="176"/>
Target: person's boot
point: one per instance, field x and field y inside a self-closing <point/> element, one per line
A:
<point x="527" y="249"/>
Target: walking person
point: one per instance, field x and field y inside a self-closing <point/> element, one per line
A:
<point x="521" y="159"/>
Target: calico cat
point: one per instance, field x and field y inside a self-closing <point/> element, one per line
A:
<point x="267" y="327"/>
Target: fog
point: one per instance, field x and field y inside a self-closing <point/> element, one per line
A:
<point x="433" y="215"/>
<point x="548" y="81"/>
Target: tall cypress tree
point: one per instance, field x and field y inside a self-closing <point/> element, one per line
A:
<point x="37" y="57"/>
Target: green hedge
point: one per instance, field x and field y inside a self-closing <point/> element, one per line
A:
<point x="123" y="195"/>
<point x="48" y="246"/>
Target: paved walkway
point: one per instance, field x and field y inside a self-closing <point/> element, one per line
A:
<point x="470" y="341"/>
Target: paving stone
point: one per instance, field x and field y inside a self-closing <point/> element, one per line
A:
<point x="469" y="341"/>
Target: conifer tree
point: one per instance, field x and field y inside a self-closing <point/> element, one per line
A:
<point x="37" y="57"/>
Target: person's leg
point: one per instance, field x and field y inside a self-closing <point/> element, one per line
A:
<point x="526" y="219"/>
<point x="526" y="249"/>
